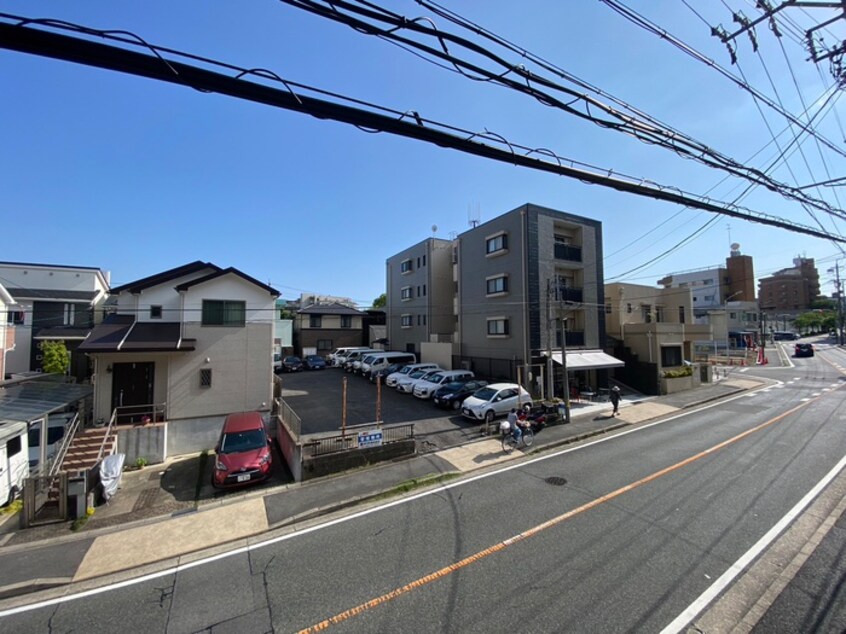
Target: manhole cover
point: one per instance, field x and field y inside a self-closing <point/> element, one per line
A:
<point x="557" y="481"/>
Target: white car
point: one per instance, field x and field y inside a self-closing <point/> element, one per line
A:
<point x="392" y="379"/>
<point x="494" y="400"/>
<point x="406" y="385"/>
<point x="425" y="389"/>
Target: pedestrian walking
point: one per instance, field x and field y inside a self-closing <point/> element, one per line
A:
<point x="615" y="400"/>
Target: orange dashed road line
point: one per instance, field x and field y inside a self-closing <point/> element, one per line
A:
<point x="447" y="570"/>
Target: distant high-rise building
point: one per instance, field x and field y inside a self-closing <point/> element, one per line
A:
<point x="791" y="289"/>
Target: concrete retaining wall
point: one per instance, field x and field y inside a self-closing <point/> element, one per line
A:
<point x="143" y="441"/>
<point x="318" y="466"/>
<point x="290" y="449"/>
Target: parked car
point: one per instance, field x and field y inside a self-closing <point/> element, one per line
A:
<point x="495" y="400"/>
<point x="384" y="372"/>
<point x="243" y="451"/>
<point x="392" y="379"/>
<point x="803" y="350"/>
<point x="426" y="388"/>
<point x="452" y="395"/>
<point x="338" y="356"/>
<point x="406" y="385"/>
<point x="292" y="364"/>
<point x="314" y="362"/>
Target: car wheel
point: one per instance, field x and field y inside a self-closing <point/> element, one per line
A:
<point x="489" y="416"/>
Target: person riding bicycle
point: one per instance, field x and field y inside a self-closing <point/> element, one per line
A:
<point x="514" y="424"/>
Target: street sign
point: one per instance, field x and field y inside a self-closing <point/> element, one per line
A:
<point x="371" y="438"/>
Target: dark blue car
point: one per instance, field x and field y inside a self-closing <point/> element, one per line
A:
<point x="314" y="362"/>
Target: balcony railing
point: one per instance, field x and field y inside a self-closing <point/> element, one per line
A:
<point x="569" y="294"/>
<point x="568" y="252"/>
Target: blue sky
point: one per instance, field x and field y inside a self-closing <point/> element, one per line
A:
<point x="135" y="176"/>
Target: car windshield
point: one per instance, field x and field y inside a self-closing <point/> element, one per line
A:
<point x="418" y="373"/>
<point x="485" y="394"/>
<point x="406" y="369"/>
<point x="437" y="377"/>
<point x="238" y="441"/>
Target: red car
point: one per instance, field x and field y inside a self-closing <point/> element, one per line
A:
<point x="243" y="451"/>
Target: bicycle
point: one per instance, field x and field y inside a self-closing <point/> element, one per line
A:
<point x="510" y="443"/>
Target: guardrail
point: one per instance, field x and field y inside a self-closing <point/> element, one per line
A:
<point x="289" y="417"/>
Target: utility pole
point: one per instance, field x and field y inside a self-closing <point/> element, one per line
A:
<point x="839" y="304"/>
<point x="565" y="382"/>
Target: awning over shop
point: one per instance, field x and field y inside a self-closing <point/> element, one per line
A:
<point x="121" y="333"/>
<point x="588" y="360"/>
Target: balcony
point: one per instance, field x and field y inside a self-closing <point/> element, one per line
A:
<point x="568" y="252"/>
<point x="569" y="294"/>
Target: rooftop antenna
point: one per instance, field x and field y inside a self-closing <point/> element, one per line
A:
<point x="473" y="219"/>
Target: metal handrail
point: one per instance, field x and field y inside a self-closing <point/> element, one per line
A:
<point x="70" y="432"/>
<point x="106" y="436"/>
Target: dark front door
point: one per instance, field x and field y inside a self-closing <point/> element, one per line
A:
<point x="132" y="390"/>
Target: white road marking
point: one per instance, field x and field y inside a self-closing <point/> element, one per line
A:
<point x="340" y="520"/>
<point x="684" y="619"/>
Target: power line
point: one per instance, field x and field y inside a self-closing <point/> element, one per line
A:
<point x="536" y="86"/>
<point x="407" y="124"/>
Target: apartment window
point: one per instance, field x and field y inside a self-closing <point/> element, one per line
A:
<point x="496" y="244"/>
<point x="629" y="309"/>
<point x="16" y="317"/>
<point x="709" y="298"/>
<point x="607" y="309"/>
<point x="659" y="314"/>
<point x="346" y="321"/>
<point x="418" y="320"/>
<point x="155" y="312"/>
<point x="646" y="313"/>
<point x="406" y="293"/>
<point x="205" y="377"/>
<point x="407" y="321"/>
<point x="424" y="260"/>
<point x="562" y="239"/>
<point x="497" y="327"/>
<point x="324" y="344"/>
<point x="498" y="284"/>
<point x="681" y="314"/>
<point x="406" y="266"/>
<point x="424" y="290"/>
<point x="222" y="312"/>
<point x="69" y="313"/>
<point x="314" y="321"/>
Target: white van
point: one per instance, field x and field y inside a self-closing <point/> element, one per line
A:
<point x="339" y="355"/>
<point x="425" y="389"/>
<point x="355" y="357"/>
<point x="14" y="460"/>
<point x="378" y="360"/>
<point x="57" y="425"/>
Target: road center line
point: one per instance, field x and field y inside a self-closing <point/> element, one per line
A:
<point x="482" y="554"/>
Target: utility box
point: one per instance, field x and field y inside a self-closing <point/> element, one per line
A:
<point x="706" y="373"/>
<point x="77" y="496"/>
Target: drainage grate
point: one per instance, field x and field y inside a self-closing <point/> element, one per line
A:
<point x="557" y="481"/>
<point x="146" y="499"/>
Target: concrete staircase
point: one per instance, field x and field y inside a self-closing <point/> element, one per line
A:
<point x="85" y="447"/>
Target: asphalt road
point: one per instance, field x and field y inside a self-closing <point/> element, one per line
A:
<point x="614" y="536"/>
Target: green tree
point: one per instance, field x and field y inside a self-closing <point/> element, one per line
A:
<point x="55" y="356"/>
<point x="381" y="301"/>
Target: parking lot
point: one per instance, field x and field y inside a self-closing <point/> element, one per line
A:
<point x="317" y="398"/>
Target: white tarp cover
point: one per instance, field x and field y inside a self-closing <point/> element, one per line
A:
<point x="588" y="360"/>
<point x="110" y="473"/>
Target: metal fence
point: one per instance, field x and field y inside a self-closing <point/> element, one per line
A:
<point x="289" y="417"/>
<point x="350" y="439"/>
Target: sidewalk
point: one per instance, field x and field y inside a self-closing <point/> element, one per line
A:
<point x="189" y="528"/>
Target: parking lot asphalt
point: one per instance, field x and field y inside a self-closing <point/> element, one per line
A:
<point x="318" y="397"/>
